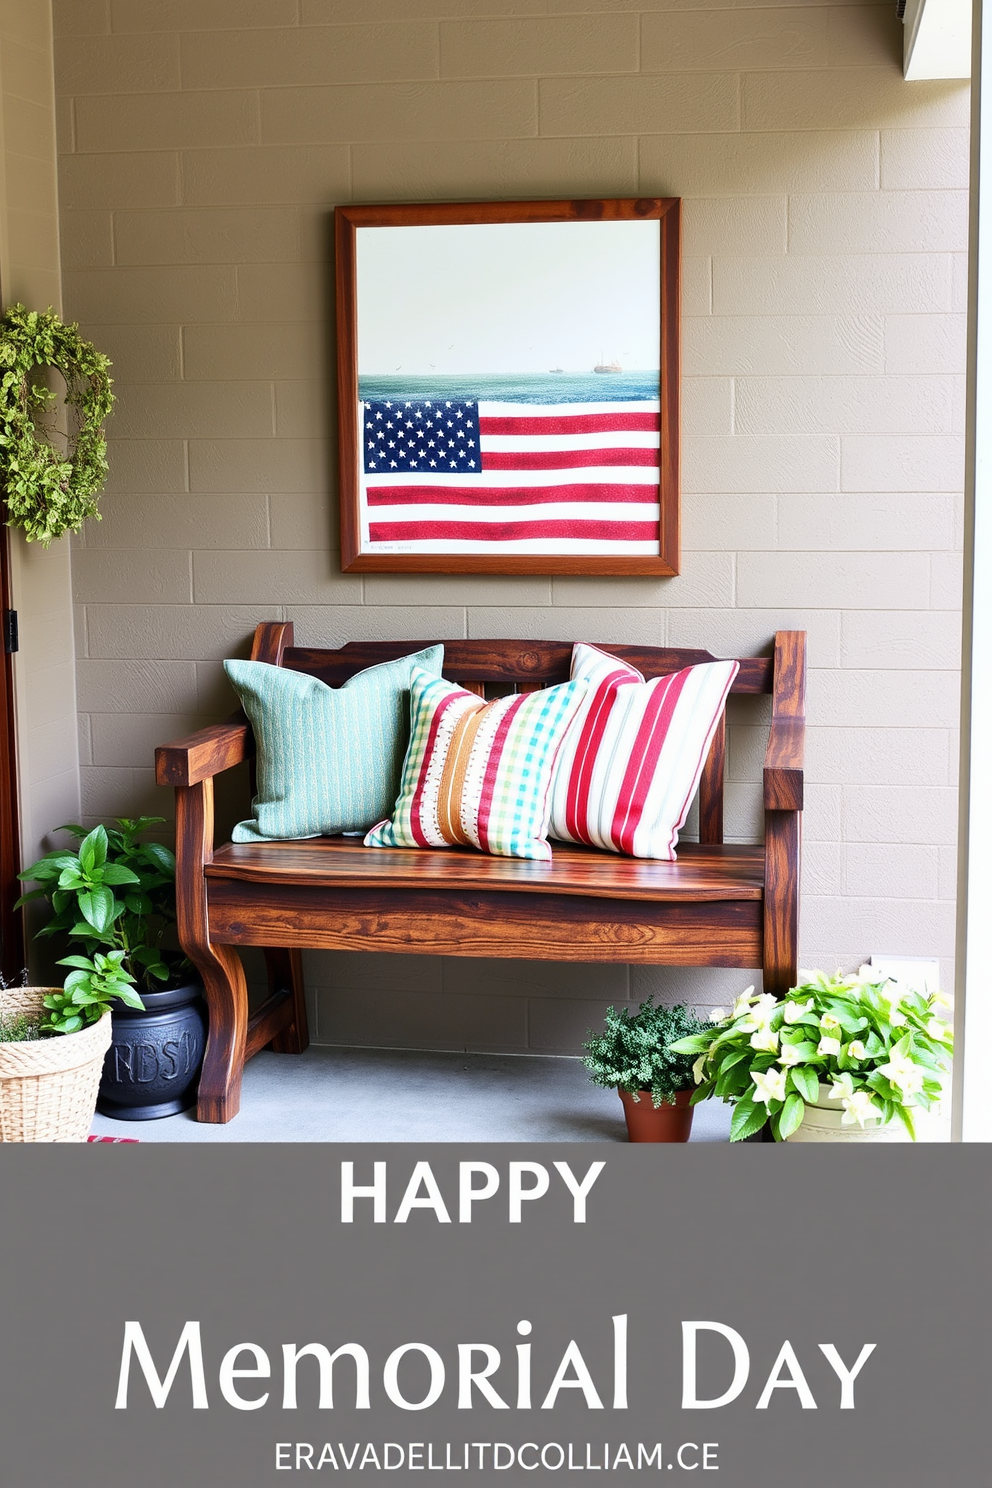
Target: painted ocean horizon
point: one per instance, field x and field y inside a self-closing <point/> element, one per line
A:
<point x="523" y="387"/>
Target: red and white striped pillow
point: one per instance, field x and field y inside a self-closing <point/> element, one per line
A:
<point x="630" y="764"/>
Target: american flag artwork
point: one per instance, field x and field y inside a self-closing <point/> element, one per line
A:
<point x="453" y="474"/>
<point x="508" y="387"/>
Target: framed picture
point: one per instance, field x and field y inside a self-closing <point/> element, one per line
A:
<point x="508" y="387"/>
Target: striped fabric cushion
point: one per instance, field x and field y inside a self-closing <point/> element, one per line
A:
<point x="328" y="758"/>
<point x="478" y="774"/>
<point x="627" y="773"/>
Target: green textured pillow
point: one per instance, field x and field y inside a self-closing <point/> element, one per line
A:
<point x="328" y="758"/>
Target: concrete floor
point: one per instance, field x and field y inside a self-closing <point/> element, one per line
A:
<point x="400" y="1095"/>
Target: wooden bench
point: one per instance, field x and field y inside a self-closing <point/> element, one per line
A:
<point x="720" y="904"/>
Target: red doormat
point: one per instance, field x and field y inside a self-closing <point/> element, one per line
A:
<point x="112" y="1139"/>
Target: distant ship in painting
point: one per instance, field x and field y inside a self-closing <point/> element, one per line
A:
<point x="556" y="369"/>
<point x="613" y="366"/>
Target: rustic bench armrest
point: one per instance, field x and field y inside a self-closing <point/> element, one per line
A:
<point x="783" y="773"/>
<point x="205" y="753"/>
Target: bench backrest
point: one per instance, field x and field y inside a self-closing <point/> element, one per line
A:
<point x="493" y="668"/>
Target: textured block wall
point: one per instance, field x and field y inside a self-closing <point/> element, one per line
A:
<point x="204" y="144"/>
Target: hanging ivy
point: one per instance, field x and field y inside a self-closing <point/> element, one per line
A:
<point x="49" y="491"/>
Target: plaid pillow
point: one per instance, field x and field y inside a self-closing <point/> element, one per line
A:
<point x="478" y="774"/>
<point x="628" y="771"/>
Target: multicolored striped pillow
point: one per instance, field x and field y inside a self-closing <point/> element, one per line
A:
<point x="627" y="773"/>
<point x="476" y="773"/>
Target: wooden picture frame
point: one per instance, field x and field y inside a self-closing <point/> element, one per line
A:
<point x="567" y="462"/>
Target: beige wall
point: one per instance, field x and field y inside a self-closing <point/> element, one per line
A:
<point x="204" y="144"/>
<point x="29" y="272"/>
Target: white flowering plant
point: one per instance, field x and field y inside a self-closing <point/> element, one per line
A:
<point x="882" y="1051"/>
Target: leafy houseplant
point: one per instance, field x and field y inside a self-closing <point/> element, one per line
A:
<point x="114" y="898"/>
<point x="48" y="490"/>
<point x="856" y="1044"/>
<point x="85" y="997"/>
<point x="88" y="992"/>
<point x="634" y="1057"/>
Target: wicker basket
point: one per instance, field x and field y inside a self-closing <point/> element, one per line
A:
<point x="48" y="1086"/>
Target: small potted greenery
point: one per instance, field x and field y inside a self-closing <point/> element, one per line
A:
<point x="634" y="1057"/>
<point x="114" y="898"/>
<point x="837" y="1058"/>
<point x="53" y="1042"/>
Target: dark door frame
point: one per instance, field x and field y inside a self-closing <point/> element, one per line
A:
<point x="11" y="919"/>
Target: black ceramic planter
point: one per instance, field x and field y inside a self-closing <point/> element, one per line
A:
<point x="153" y="1064"/>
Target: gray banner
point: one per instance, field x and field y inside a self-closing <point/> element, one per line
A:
<point x="795" y="1258"/>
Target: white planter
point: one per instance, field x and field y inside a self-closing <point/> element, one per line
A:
<point x="822" y="1123"/>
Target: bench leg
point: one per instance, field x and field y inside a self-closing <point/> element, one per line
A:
<point x="227" y="1003"/>
<point x="219" y="965"/>
<point x="781" y="927"/>
<point x="285" y="971"/>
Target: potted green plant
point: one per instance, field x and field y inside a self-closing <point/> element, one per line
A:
<point x="634" y="1057"/>
<point x="53" y="1042"/>
<point x="838" y="1057"/>
<point x="113" y="897"/>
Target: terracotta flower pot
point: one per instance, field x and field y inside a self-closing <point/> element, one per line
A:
<point x="649" y="1123"/>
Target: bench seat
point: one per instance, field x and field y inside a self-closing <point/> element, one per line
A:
<point x="585" y="905"/>
<point x="720" y="904"/>
<point x="709" y="872"/>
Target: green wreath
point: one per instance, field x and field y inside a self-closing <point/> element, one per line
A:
<point x="47" y="492"/>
